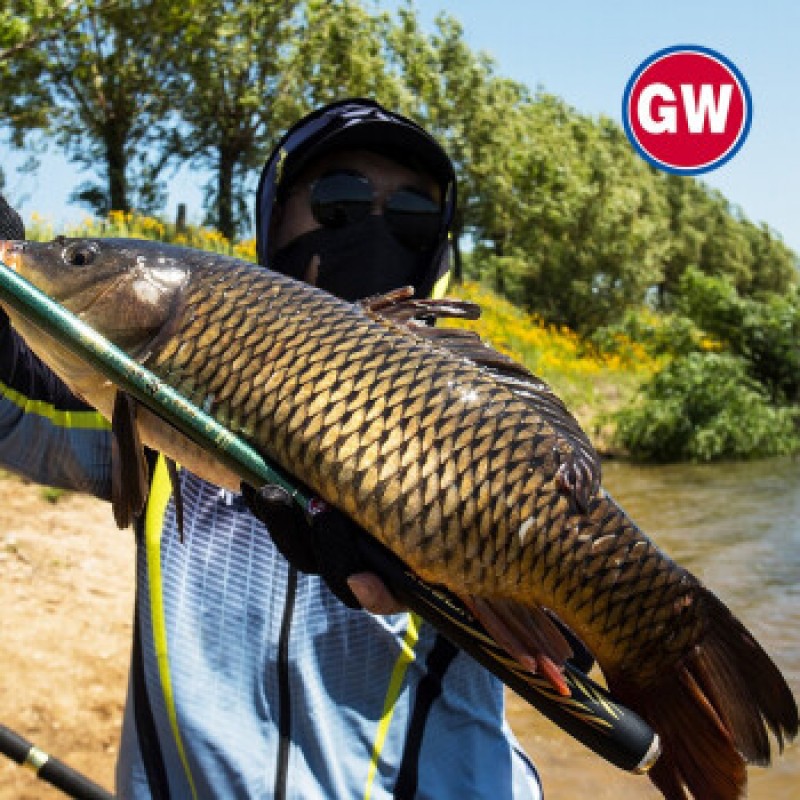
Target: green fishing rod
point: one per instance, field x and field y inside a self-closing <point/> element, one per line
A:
<point x="589" y="713"/>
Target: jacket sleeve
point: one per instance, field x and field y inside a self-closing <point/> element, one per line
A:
<point x="47" y="433"/>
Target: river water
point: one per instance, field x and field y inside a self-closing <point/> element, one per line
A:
<point x="737" y="527"/>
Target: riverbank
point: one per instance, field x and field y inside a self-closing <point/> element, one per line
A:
<point x="66" y="604"/>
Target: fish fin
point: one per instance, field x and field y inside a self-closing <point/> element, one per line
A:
<point x="527" y="634"/>
<point x="129" y="473"/>
<point x="582" y="657"/>
<point x="579" y="472"/>
<point x="175" y="481"/>
<point x="713" y="711"/>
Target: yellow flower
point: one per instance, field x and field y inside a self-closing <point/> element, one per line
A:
<point x="710" y="345"/>
<point x="246" y="250"/>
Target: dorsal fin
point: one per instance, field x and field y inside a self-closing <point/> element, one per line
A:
<point x="579" y="473"/>
<point x="129" y="475"/>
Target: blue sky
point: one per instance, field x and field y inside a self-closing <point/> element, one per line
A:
<point x="585" y="51"/>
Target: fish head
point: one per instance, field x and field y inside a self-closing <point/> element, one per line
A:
<point x="123" y="288"/>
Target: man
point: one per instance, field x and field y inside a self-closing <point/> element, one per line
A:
<point x="249" y="678"/>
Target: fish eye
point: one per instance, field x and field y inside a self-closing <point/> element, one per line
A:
<point x="80" y="254"/>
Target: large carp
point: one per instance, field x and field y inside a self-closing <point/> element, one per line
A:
<point x="462" y="463"/>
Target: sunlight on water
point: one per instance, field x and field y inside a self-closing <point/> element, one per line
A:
<point x="737" y="527"/>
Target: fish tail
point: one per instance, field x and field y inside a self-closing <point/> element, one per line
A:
<point x="713" y="710"/>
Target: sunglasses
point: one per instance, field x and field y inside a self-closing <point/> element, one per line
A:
<point x="343" y="197"/>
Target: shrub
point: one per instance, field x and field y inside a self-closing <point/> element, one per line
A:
<point x="704" y="406"/>
<point x="763" y="330"/>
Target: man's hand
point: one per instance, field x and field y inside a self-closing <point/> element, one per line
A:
<point x="373" y="595"/>
<point x="11" y="227"/>
<point x="324" y="544"/>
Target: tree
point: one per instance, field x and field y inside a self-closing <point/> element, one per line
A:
<point x="585" y="229"/>
<point x="763" y="331"/>
<point x="25" y="100"/>
<point x="457" y="96"/>
<point x="229" y="59"/>
<point x="249" y="69"/>
<point x="340" y="51"/>
<point x="101" y="67"/>
<point x="775" y="268"/>
<point x="687" y="204"/>
<point x="706" y="233"/>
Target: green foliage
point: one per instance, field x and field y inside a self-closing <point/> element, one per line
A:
<point x="706" y="233"/>
<point x="702" y="407"/>
<point x="731" y="390"/>
<point x="764" y="330"/>
<point x="233" y="95"/>
<point x="104" y="71"/>
<point x="567" y="220"/>
<point x="583" y="234"/>
<point x="659" y="335"/>
<point x="25" y="100"/>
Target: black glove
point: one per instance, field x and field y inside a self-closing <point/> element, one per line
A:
<point x="324" y="543"/>
<point x="11" y="226"/>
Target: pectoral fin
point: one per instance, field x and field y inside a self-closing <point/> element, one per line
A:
<point x="129" y="474"/>
<point x="527" y="634"/>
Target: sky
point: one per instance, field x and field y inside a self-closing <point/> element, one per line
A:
<point x="584" y="51"/>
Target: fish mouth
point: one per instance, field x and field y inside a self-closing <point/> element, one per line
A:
<point x="9" y="250"/>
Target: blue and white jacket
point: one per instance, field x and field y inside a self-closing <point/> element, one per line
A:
<point x="249" y="679"/>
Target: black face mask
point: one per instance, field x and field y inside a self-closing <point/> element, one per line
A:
<point x="356" y="261"/>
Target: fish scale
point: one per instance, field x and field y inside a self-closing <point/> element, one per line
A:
<point x="463" y="533"/>
<point x="475" y="474"/>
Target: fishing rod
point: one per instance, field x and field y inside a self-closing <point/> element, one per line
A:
<point x="48" y="768"/>
<point x="589" y="713"/>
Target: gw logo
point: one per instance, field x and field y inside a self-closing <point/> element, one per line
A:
<point x="697" y="109"/>
<point x="687" y="109"/>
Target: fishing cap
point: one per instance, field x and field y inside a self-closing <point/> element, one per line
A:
<point x="356" y="124"/>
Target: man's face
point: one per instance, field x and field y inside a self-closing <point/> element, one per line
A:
<point x="386" y="176"/>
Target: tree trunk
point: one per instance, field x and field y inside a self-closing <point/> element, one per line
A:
<point x="225" y="222"/>
<point x="117" y="168"/>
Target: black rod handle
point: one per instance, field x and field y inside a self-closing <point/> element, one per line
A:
<point x="49" y="769"/>
<point x="589" y="714"/>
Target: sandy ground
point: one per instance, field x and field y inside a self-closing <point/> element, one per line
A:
<point x="66" y="599"/>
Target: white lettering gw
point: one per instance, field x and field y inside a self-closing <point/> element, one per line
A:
<point x="668" y="117"/>
<point x="702" y="107"/>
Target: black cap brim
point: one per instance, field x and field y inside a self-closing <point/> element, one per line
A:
<point x="402" y="143"/>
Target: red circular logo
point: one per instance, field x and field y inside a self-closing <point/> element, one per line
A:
<point x="687" y="109"/>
